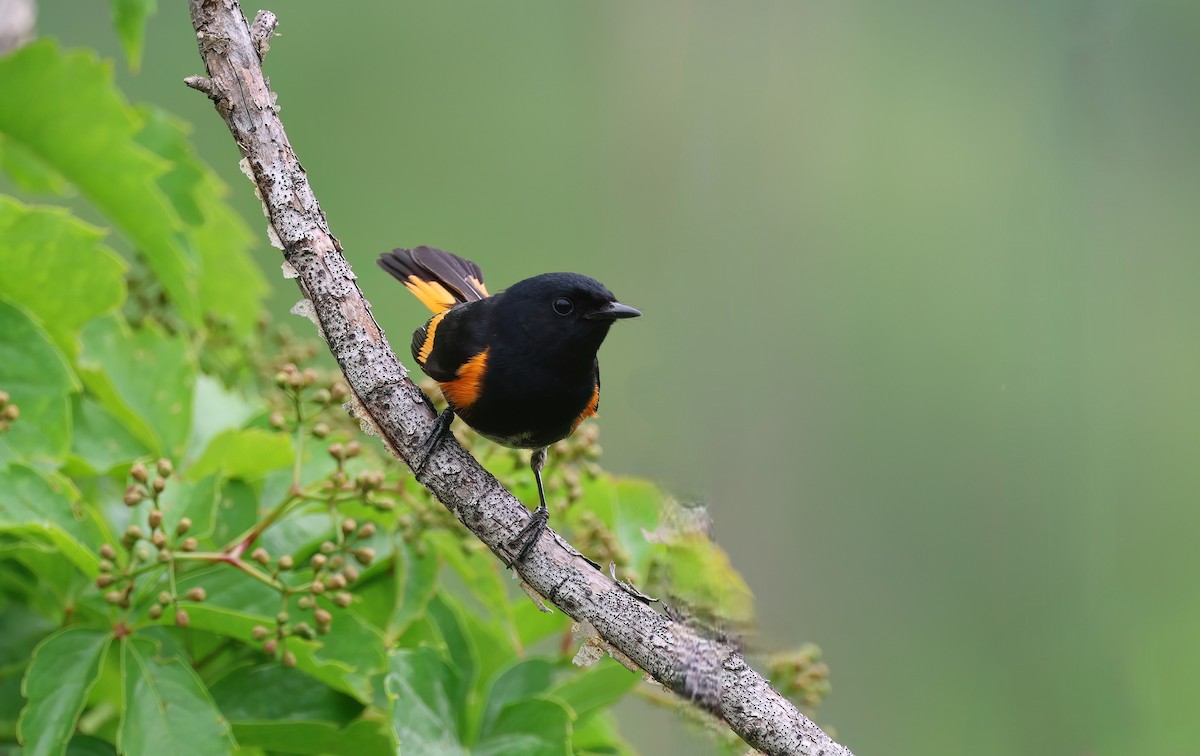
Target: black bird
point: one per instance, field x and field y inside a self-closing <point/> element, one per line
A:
<point x="519" y="366"/>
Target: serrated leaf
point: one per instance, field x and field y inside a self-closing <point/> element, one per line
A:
<point x="533" y="727"/>
<point x="144" y="378"/>
<point x="56" y="684"/>
<point x="129" y="18"/>
<point x="37" y="379"/>
<point x="57" y="269"/>
<point x="48" y="93"/>
<point x="425" y="693"/>
<point x="247" y="454"/>
<point x="219" y="236"/>
<point x="33" y="506"/>
<point x="167" y="708"/>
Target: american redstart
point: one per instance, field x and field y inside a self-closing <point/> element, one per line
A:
<point x="519" y="366"/>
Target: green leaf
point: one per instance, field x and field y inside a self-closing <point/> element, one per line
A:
<point x="36" y="376"/>
<point x="99" y="439"/>
<point x="216" y="409"/>
<point x="478" y="648"/>
<point x="668" y="546"/>
<point x="481" y="573"/>
<point x="47" y="95"/>
<point x="237" y="511"/>
<point x="196" y="500"/>
<point x="525" y="679"/>
<point x="33" y="506"/>
<point x="534" y="625"/>
<point x="86" y="745"/>
<point x="52" y="582"/>
<point x="167" y="708"/>
<point x="420" y="584"/>
<point x="346" y="659"/>
<point x="143" y="377"/>
<point x="231" y="285"/>
<point x="28" y="171"/>
<point x="22" y="629"/>
<point x="57" y="269"/>
<point x="362" y="738"/>
<point x="598" y="735"/>
<point x="129" y="17"/>
<point x="271" y="692"/>
<point x="534" y="727"/>
<point x="595" y="688"/>
<point x="698" y="571"/>
<point x="247" y="454"/>
<point x="425" y="693"/>
<point x="11" y="702"/>
<point x="63" y="669"/>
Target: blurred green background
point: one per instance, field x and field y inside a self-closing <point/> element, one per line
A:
<point x="921" y="294"/>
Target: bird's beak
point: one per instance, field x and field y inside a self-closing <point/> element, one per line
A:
<point x="614" y="311"/>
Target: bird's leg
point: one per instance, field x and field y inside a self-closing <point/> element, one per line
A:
<point x="532" y="531"/>
<point x="441" y="428"/>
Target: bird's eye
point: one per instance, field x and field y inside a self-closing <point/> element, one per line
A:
<point x="564" y="306"/>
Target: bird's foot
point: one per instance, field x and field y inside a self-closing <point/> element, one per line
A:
<point x="529" y="534"/>
<point x="441" y="429"/>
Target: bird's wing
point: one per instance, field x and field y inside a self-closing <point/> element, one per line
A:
<point x="451" y="339"/>
<point x="439" y="279"/>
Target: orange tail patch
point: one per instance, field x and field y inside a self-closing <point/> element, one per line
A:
<point x="431" y="293"/>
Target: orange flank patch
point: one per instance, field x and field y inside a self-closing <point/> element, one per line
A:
<point x="430" y="330"/>
<point x="590" y="410"/>
<point x="464" y="390"/>
<point x="431" y="293"/>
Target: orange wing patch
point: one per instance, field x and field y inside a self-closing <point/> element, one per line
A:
<point x="590" y="410"/>
<point x="432" y="294"/>
<point x="464" y="390"/>
<point x="430" y="330"/>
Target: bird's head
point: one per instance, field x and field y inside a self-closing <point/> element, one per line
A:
<point x="566" y="307"/>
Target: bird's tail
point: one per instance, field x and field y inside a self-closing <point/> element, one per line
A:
<point x="439" y="279"/>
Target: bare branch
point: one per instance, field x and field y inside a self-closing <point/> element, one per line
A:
<point x="388" y="404"/>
